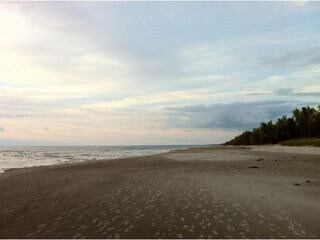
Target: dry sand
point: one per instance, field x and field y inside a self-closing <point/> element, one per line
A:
<point x="287" y="149"/>
<point x="218" y="192"/>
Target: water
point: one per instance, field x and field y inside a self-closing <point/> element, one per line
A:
<point x="19" y="157"/>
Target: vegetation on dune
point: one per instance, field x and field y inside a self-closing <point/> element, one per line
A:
<point x="304" y="123"/>
<point x="302" y="142"/>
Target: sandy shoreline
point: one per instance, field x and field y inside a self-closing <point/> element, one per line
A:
<point x="218" y="192"/>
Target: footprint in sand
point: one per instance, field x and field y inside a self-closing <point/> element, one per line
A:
<point x="180" y="235"/>
<point x="77" y="235"/>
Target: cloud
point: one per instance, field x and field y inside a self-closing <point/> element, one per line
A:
<point x="293" y="58"/>
<point x="296" y="92"/>
<point x="2" y="129"/>
<point x="87" y="70"/>
<point x="233" y="116"/>
<point x="311" y="91"/>
<point x="14" y="115"/>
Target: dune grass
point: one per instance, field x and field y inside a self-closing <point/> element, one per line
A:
<point x="302" y="142"/>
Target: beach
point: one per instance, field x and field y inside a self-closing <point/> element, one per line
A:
<point x="213" y="192"/>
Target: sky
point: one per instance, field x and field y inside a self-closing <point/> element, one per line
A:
<point x="131" y="73"/>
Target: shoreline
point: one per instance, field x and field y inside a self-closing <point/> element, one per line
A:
<point x="94" y="161"/>
<point x="211" y="192"/>
<point x="275" y="148"/>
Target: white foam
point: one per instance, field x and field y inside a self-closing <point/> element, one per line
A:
<point x="20" y="157"/>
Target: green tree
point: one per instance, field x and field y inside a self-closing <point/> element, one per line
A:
<point x="305" y="122"/>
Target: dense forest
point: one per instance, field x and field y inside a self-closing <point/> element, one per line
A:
<point x="304" y="123"/>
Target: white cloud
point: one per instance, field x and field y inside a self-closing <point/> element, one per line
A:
<point x="88" y="72"/>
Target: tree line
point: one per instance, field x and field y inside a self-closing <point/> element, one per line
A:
<point x="304" y="123"/>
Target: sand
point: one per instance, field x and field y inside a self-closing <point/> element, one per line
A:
<point x="287" y="149"/>
<point x="218" y="192"/>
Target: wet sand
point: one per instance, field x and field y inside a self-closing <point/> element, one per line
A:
<point x="218" y="192"/>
